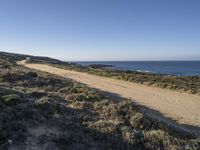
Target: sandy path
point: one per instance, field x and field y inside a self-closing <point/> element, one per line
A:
<point x="182" y="107"/>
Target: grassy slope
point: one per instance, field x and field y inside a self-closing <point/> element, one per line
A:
<point x="39" y="110"/>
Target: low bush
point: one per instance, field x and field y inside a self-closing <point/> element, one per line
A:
<point x="158" y="139"/>
<point x="132" y="136"/>
<point x="77" y="97"/>
<point x="11" y="99"/>
<point x="37" y="94"/>
<point x="32" y="74"/>
<point x="99" y="105"/>
<point x="104" y="126"/>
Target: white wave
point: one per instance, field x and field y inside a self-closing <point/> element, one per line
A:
<point x="147" y="71"/>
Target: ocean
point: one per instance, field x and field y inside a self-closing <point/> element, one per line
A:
<point x="179" y="68"/>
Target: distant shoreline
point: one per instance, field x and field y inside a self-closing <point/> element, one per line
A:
<point x="177" y="68"/>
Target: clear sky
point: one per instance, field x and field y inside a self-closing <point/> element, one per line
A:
<point x="102" y="29"/>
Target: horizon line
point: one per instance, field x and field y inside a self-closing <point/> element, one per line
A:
<point x="89" y="60"/>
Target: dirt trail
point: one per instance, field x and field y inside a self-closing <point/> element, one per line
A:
<point x="182" y="107"/>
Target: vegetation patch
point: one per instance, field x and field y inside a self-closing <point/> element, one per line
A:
<point x="11" y="99"/>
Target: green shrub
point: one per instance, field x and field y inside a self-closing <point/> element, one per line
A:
<point x="11" y="99"/>
<point x="77" y="97"/>
<point x="37" y="94"/>
<point x="5" y="66"/>
<point x="158" y="139"/>
<point x="32" y="74"/>
<point x="99" y="105"/>
<point x="5" y="76"/>
<point x="131" y="135"/>
<point x="79" y="104"/>
<point x="44" y="100"/>
<point x="104" y="126"/>
<point x="65" y="90"/>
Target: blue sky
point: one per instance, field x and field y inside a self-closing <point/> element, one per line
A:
<point x="102" y="29"/>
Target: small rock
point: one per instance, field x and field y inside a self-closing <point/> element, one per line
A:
<point x="10" y="141"/>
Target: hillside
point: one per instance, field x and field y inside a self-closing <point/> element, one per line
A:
<point x="44" y="111"/>
<point x="185" y="84"/>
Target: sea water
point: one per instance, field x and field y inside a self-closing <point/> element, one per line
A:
<point x="180" y="68"/>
